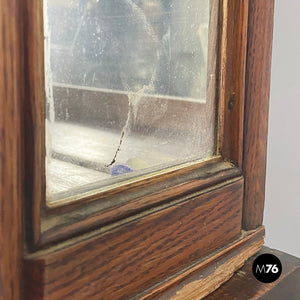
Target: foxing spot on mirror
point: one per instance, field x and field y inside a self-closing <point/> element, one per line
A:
<point x="130" y="89"/>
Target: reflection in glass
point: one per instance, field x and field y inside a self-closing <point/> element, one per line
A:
<point x="126" y="89"/>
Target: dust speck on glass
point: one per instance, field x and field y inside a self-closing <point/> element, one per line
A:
<point x="126" y="85"/>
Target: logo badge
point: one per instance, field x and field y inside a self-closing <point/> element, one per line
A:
<point x="267" y="268"/>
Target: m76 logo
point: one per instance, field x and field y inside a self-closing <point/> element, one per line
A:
<point x="267" y="268"/>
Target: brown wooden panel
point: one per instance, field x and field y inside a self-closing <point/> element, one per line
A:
<point x="232" y="79"/>
<point x="126" y="260"/>
<point x="10" y="149"/>
<point x="205" y="276"/>
<point x="77" y="218"/>
<point x="260" y="31"/>
<point x="34" y="115"/>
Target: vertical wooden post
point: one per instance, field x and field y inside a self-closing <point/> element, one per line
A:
<point x="259" y="50"/>
<point x="10" y="149"/>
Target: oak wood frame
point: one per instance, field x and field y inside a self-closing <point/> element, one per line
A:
<point x="11" y="196"/>
<point x="215" y="176"/>
<point x="92" y="214"/>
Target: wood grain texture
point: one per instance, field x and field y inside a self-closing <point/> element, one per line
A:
<point x="245" y="286"/>
<point x="138" y="197"/>
<point x="11" y="96"/>
<point x="34" y="117"/>
<point x="232" y="79"/>
<point x="202" y="285"/>
<point x="260" y="31"/>
<point x="202" y="274"/>
<point x="124" y="261"/>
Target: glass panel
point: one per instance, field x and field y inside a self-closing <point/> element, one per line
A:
<point x="127" y="90"/>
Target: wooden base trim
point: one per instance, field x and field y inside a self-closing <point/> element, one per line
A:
<point x="198" y="289"/>
<point x="243" y="285"/>
<point x="205" y="277"/>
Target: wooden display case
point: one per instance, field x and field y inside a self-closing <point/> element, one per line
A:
<point x="177" y="234"/>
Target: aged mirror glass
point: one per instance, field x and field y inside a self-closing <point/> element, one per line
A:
<point x="129" y="89"/>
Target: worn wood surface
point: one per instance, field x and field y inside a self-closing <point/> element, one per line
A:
<point x="232" y="79"/>
<point x="126" y="260"/>
<point x="201" y="287"/>
<point x="205" y="276"/>
<point x="11" y="96"/>
<point x="136" y="197"/>
<point x="243" y="285"/>
<point x="260" y="31"/>
<point x="288" y="288"/>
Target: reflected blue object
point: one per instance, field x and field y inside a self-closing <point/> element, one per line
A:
<point x="119" y="169"/>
